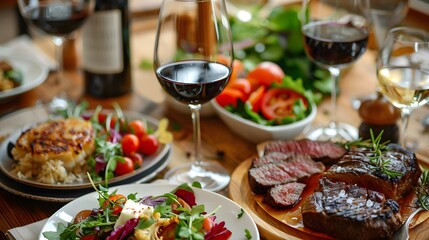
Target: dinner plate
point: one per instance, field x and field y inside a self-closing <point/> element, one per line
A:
<point x="228" y="212"/>
<point x="64" y="196"/>
<point x="6" y="163"/>
<point x="34" y="73"/>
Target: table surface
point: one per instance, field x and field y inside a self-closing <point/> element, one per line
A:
<point x="358" y="80"/>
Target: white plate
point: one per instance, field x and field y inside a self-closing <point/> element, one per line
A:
<point x="33" y="73"/>
<point x="228" y="212"/>
<point x="6" y="163"/>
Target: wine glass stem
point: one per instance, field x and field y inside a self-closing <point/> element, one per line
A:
<point x="195" y="110"/>
<point x="59" y="47"/>
<point x="335" y="73"/>
<point x="405" y="116"/>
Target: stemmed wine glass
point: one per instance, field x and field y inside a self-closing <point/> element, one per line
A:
<point x="59" y="19"/>
<point x="192" y="60"/>
<point x="386" y="14"/>
<point x="403" y="72"/>
<point x="335" y="36"/>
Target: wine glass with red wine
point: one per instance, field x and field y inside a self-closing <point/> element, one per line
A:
<point x="192" y="60"/>
<point x="57" y="18"/>
<point x="335" y="36"/>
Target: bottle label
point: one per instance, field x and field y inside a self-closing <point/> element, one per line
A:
<point x="102" y="43"/>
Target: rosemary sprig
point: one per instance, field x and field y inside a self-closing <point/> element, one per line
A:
<point x="382" y="163"/>
<point x="422" y="190"/>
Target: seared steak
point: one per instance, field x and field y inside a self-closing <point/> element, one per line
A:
<point x="271" y="157"/>
<point x="261" y="179"/>
<point x="326" y="152"/>
<point x="284" y="195"/>
<point x="356" y="168"/>
<point x="350" y="212"/>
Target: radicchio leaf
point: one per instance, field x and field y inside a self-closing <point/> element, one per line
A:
<point x="218" y="231"/>
<point x="124" y="231"/>
<point x="151" y="201"/>
<point x="187" y="196"/>
<point x="100" y="163"/>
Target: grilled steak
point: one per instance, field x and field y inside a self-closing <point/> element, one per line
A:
<point x="350" y="212"/>
<point x="261" y="179"/>
<point x="326" y="152"/>
<point x="271" y="157"/>
<point x="284" y="195"/>
<point x="356" y="168"/>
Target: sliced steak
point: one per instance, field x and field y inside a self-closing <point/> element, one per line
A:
<point x="271" y="157"/>
<point x="261" y="179"/>
<point x="324" y="151"/>
<point x="356" y="168"/>
<point x="284" y="195"/>
<point x="350" y="212"/>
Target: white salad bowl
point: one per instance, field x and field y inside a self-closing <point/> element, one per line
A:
<point x="257" y="133"/>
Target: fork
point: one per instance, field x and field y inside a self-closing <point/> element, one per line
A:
<point x="403" y="231"/>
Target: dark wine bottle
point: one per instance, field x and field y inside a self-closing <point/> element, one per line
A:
<point x="106" y="50"/>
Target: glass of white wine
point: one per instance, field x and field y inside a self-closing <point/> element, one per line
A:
<point x="403" y="72"/>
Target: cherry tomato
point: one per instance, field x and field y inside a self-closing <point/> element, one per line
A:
<point x="115" y="203"/>
<point x="278" y="103"/>
<point x="266" y="73"/>
<point x="130" y="144"/>
<point x="137" y="128"/>
<point x="137" y="160"/>
<point x="148" y="144"/>
<point x="101" y="118"/>
<point x="124" y="167"/>
<point x="230" y="96"/>
<point x="255" y="98"/>
<point x="243" y="85"/>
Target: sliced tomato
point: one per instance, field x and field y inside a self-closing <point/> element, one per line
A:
<point x="230" y="96"/>
<point x="243" y="85"/>
<point x="255" y="98"/>
<point x="124" y="167"/>
<point x="278" y="103"/>
<point x="266" y="73"/>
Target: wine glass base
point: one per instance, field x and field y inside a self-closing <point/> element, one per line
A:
<point x="342" y="132"/>
<point x="211" y="175"/>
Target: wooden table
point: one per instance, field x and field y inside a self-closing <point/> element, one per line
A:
<point x="218" y="141"/>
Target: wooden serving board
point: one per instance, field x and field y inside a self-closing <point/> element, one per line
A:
<point x="287" y="224"/>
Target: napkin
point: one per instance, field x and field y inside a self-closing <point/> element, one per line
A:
<point x="27" y="232"/>
<point x="23" y="46"/>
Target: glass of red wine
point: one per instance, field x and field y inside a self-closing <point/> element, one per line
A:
<point x="335" y="36"/>
<point x="192" y="61"/>
<point x="57" y="18"/>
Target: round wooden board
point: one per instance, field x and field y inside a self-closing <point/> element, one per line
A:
<point x="269" y="227"/>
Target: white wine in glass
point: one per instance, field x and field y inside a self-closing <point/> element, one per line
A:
<point x="403" y="72"/>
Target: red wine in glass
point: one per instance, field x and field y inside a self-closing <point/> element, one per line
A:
<point x="57" y="19"/>
<point x="193" y="82"/>
<point x="333" y="43"/>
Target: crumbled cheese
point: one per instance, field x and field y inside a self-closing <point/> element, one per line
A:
<point x="132" y="210"/>
<point x="369" y="203"/>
